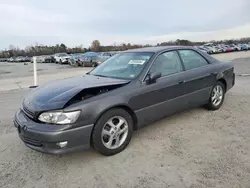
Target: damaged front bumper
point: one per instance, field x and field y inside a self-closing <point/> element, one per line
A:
<point x="54" y="140"/>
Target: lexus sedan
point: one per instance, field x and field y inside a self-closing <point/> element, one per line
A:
<point x="131" y="89"/>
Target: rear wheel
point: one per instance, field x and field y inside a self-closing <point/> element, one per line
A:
<point x="217" y="96"/>
<point x="112" y="132"/>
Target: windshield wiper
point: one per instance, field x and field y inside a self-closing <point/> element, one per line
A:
<point x="100" y="75"/>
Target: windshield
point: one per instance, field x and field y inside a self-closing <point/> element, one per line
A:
<point x="125" y="65"/>
<point x="63" y="55"/>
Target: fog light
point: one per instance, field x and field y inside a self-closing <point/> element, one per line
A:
<point x="62" y="144"/>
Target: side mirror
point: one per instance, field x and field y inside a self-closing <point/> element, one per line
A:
<point x="152" y="77"/>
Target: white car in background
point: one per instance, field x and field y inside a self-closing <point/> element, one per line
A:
<point x="39" y="59"/>
<point x="105" y="55"/>
<point x="62" y="58"/>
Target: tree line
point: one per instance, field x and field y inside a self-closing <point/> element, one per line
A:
<point x="96" y="46"/>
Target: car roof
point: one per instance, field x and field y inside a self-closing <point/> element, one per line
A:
<point x="158" y="48"/>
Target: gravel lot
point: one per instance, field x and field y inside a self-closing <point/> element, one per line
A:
<point x="9" y="70"/>
<point x="196" y="148"/>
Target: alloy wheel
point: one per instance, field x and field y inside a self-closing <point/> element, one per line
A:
<point x="217" y="95"/>
<point x="114" y="132"/>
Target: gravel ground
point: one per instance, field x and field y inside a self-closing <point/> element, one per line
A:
<point x="10" y="70"/>
<point x="196" y="148"/>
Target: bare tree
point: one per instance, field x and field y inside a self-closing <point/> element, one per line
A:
<point x="39" y="49"/>
<point x="95" y="46"/>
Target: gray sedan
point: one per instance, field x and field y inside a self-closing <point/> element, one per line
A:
<point x="129" y="90"/>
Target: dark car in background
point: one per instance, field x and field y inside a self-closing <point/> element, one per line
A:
<point x="3" y="59"/>
<point x="90" y="60"/>
<point x="76" y="59"/>
<point x="48" y="59"/>
<point x="129" y="90"/>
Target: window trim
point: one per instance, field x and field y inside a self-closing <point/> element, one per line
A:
<point x="178" y="51"/>
<point x="152" y="60"/>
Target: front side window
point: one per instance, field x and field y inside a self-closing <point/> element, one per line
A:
<point x="126" y="65"/>
<point x="192" y="59"/>
<point x="167" y="63"/>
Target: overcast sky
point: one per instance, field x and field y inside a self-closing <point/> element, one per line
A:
<point x="76" y="22"/>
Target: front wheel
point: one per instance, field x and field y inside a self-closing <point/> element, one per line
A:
<point x="217" y="96"/>
<point x="112" y="132"/>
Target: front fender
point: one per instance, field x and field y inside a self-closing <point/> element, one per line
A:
<point x="92" y="110"/>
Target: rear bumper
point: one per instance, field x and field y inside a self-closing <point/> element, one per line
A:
<point x="48" y="141"/>
<point x="230" y="81"/>
<point x="233" y="82"/>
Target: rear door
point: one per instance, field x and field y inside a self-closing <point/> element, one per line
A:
<point x="199" y="77"/>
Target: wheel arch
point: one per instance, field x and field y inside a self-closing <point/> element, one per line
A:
<point x="124" y="107"/>
<point x="221" y="78"/>
<point x="223" y="81"/>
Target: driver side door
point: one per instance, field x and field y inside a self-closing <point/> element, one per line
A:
<point x="162" y="98"/>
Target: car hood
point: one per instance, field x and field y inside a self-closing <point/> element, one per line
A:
<point x="56" y="94"/>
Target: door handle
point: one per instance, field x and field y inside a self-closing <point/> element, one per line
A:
<point x="181" y="82"/>
<point x="214" y="73"/>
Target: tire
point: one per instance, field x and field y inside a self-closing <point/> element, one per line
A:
<point x="94" y="65"/>
<point x="212" y="105"/>
<point x="98" y="138"/>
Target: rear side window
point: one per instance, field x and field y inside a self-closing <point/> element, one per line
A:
<point x="192" y="59"/>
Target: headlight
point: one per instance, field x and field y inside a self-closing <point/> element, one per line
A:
<point x="59" y="117"/>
